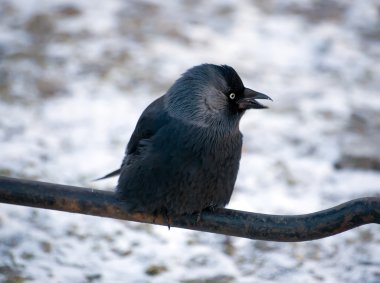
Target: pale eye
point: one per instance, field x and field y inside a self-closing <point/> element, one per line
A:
<point x="232" y="95"/>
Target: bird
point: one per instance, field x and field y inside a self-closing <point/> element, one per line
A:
<point x="184" y="153"/>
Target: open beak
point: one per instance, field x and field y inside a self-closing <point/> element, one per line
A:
<point x="248" y="101"/>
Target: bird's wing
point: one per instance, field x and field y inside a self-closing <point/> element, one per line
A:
<point x="151" y="120"/>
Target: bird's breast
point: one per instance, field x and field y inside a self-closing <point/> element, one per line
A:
<point x="220" y="151"/>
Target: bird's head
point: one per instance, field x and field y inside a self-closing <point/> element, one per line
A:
<point x="211" y="94"/>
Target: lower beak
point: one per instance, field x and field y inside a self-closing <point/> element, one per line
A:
<point x="248" y="101"/>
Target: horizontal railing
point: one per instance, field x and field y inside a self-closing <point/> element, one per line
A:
<point x="281" y="228"/>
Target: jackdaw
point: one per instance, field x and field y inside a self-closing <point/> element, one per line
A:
<point x="183" y="156"/>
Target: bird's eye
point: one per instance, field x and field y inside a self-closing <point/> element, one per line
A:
<point x="232" y="95"/>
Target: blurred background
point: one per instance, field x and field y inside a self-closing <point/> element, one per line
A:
<point x="76" y="75"/>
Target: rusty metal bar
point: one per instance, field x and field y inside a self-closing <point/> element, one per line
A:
<point x="281" y="228"/>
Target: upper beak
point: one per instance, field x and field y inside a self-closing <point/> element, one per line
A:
<point x="248" y="100"/>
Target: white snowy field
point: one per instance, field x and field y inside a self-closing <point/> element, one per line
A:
<point x="76" y="75"/>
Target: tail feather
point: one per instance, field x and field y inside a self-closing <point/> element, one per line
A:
<point x="109" y="175"/>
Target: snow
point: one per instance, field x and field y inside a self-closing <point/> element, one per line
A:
<point x="73" y="83"/>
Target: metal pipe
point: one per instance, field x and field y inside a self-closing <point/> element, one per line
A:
<point x="281" y="228"/>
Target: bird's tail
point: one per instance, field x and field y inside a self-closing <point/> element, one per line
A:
<point x="109" y="175"/>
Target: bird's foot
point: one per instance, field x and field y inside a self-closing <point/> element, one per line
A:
<point x="212" y="207"/>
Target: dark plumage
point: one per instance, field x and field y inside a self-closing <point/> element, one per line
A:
<point x="184" y="153"/>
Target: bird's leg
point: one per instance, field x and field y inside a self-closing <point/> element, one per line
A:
<point x="199" y="214"/>
<point x="166" y="215"/>
<point x="155" y="214"/>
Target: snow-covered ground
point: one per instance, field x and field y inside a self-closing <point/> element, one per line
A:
<point x="76" y="75"/>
